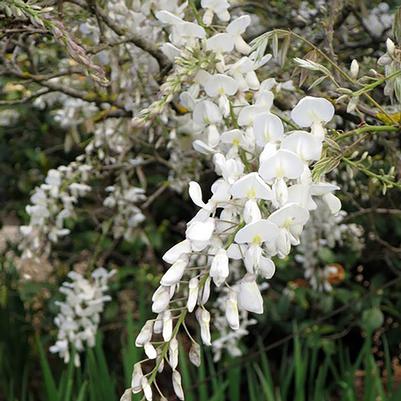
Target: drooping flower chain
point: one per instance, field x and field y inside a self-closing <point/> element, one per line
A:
<point x="260" y="202"/>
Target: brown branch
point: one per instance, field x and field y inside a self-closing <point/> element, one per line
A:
<point x="134" y="38"/>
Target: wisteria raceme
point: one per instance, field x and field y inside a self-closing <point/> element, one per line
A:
<point x="79" y="315"/>
<point x="261" y="199"/>
<point x="52" y="203"/>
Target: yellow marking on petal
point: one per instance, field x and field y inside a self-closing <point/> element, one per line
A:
<point x="251" y="193"/>
<point x="221" y="91"/>
<point x="287" y="223"/>
<point x="257" y="240"/>
<point x="236" y="142"/>
<point x="279" y="172"/>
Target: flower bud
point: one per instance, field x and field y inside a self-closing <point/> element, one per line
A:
<point x="161" y="299"/>
<point x="179" y="392"/>
<point x="193" y="293"/>
<point x="127" y="396"/>
<point x="176" y="251"/>
<point x="354" y="69"/>
<point x="147" y="390"/>
<point x="137" y="375"/>
<point x="251" y="212"/>
<point x="173" y="353"/>
<point x="174" y="274"/>
<point x="145" y="335"/>
<point x="219" y="269"/>
<point x="195" y="354"/>
<point x="203" y="317"/>
<point x="249" y="297"/>
<point x="390" y="46"/>
<point x="158" y="324"/>
<point x="206" y="291"/>
<point x="167" y="325"/>
<point x="232" y="310"/>
<point x="150" y="351"/>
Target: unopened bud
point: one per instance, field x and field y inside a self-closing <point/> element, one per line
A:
<point x="150" y="351"/>
<point x="203" y="317"/>
<point x="195" y="354"/>
<point x="161" y="299"/>
<point x="147" y="390"/>
<point x="145" y="335"/>
<point x="136" y="380"/>
<point x="193" y="293"/>
<point x="179" y="392"/>
<point x="390" y="46"/>
<point x="167" y="326"/>
<point x="174" y="274"/>
<point x="173" y="353"/>
<point x="354" y="69"/>
<point x="232" y="310"/>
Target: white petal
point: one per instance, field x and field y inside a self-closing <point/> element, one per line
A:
<point x="236" y="252"/>
<point x="202" y="147"/>
<point x="239" y="25"/>
<point x="179" y="392"/>
<point x="251" y="212"/>
<point x="203" y="317"/>
<point x="150" y="351"/>
<point x="166" y="17"/>
<point x="305" y="145"/>
<point x="200" y="230"/>
<point x="193" y="294"/>
<point x="161" y="299"/>
<point x="283" y="164"/>
<point x="248" y="114"/>
<point x="332" y="202"/>
<point x="220" y="43"/>
<point x="167" y="326"/>
<point x="195" y="193"/>
<point x="145" y="335"/>
<point x="190" y="30"/>
<point x="323" y="188"/>
<point x="176" y="251"/>
<point x="241" y="46"/>
<point x="251" y="186"/>
<point x="267" y="128"/>
<point x="260" y="231"/>
<point x="289" y="215"/>
<point x="137" y="375"/>
<point x="312" y="109"/>
<point x="174" y="274"/>
<point x="232" y="310"/>
<point x="301" y="195"/>
<point x="267" y="268"/>
<point x="219" y="270"/>
<point x="249" y="297"/>
<point x="206" y="112"/>
<point x="220" y="84"/>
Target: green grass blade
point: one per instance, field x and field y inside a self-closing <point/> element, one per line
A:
<point x="48" y="379"/>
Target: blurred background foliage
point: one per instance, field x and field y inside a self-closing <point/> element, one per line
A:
<point x="309" y="345"/>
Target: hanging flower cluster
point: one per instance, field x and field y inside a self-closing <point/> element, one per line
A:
<point x="260" y="201"/>
<point x="79" y="314"/>
<point x="128" y="215"/>
<point x="52" y="203"/>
